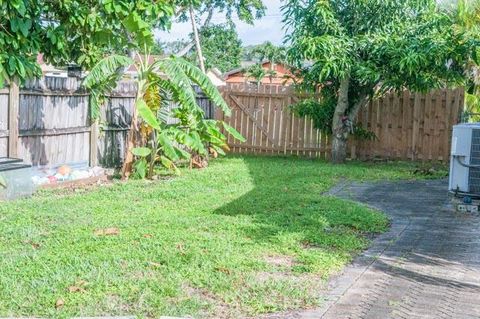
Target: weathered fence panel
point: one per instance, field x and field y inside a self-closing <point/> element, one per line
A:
<point x="47" y="122"/>
<point x="115" y="121"/>
<point x="407" y="126"/>
<point x="53" y="122"/>
<point x="4" y="123"/>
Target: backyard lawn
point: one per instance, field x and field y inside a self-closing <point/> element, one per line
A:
<point x="244" y="237"/>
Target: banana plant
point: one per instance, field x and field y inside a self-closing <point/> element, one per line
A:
<point x="153" y="140"/>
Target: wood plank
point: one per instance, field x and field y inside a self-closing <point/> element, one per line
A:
<point x="251" y="116"/>
<point x="427" y="139"/>
<point x="54" y="131"/>
<point x="405" y="123"/>
<point x="13" y="112"/>
<point x="94" y="133"/>
<point x="292" y="149"/>
<point x="416" y="125"/>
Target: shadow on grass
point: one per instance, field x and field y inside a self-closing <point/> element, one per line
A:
<point x="287" y="208"/>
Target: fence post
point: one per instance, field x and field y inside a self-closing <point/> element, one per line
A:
<point x="13" y="111"/>
<point x="93" y="143"/>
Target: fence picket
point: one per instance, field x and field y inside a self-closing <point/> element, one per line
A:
<point x="407" y="126"/>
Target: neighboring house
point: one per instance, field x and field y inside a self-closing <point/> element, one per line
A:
<point x="283" y="75"/>
<point x="215" y="75"/>
<point x="50" y="70"/>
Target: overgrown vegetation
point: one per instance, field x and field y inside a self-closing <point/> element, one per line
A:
<point x="222" y="47"/>
<point x="243" y="237"/>
<point x="81" y="32"/>
<point x="467" y="16"/>
<point x="361" y="49"/>
<point x="153" y="140"/>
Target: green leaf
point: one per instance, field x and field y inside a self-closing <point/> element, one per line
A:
<point x="194" y="141"/>
<point x="204" y="82"/>
<point x="147" y="115"/>
<point x="140" y="169"/>
<point x="14" y="24"/>
<point x="12" y="65"/>
<point x="136" y="26"/>
<point x="219" y="150"/>
<point x="168" y="163"/>
<point x="20" y="68"/>
<point x="141" y="151"/>
<point x="19" y="5"/>
<point x="232" y="131"/>
<point x="167" y="146"/>
<point x="182" y="153"/>
<point x="104" y="69"/>
<point x="25" y="26"/>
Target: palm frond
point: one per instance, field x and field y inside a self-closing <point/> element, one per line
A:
<point x="105" y="69"/>
<point x="177" y="83"/>
<point x="199" y="78"/>
<point x="102" y="79"/>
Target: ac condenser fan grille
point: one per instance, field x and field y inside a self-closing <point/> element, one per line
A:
<point x="474" y="174"/>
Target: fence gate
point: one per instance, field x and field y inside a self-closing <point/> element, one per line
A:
<point x="261" y="114"/>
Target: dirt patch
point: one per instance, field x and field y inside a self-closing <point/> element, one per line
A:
<point x="77" y="187"/>
<point x="216" y="306"/>
<point x="280" y="261"/>
<point x="116" y="303"/>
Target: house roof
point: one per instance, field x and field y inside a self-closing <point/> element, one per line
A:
<point x="242" y="68"/>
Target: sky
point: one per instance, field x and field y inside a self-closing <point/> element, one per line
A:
<point x="269" y="28"/>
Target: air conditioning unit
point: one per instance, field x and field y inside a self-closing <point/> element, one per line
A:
<point x="465" y="160"/>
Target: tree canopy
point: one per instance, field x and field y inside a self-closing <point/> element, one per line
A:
<point x="222" y="47"/>
<point x="357" y="49"/>
<point x="265" y="51"/>
<point x="79" y="32"/>
<point x="246" y="10"/>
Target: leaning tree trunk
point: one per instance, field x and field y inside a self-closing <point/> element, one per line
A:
<point x="340" y="128"/>
<point x="197" y="41"/>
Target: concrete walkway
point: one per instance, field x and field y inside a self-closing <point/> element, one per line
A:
<point x="426" y="266"/>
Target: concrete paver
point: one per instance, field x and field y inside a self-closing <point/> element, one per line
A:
<point x="426" y="266"/>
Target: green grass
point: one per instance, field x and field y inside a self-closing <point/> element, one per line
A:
<point x="245" y="236"/>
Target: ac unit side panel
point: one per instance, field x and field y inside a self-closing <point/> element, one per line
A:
<point x="461" y="149"/>
<point x="461" y="141"/>
<point x="459" y="177"/>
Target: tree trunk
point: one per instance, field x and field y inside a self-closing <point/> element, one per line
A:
<point x="133" y="137"/>
<point x="339" y="149"/>
<point x="340" y="128"/>
<point x="197" y="41"/>
<point x="190" y="45"/>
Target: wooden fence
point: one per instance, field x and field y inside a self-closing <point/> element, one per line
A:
<point x="262" y="115"/>
<point x="407" y="126"/>
<point x="47" y="122"/>
<point x="410" y="126"/>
